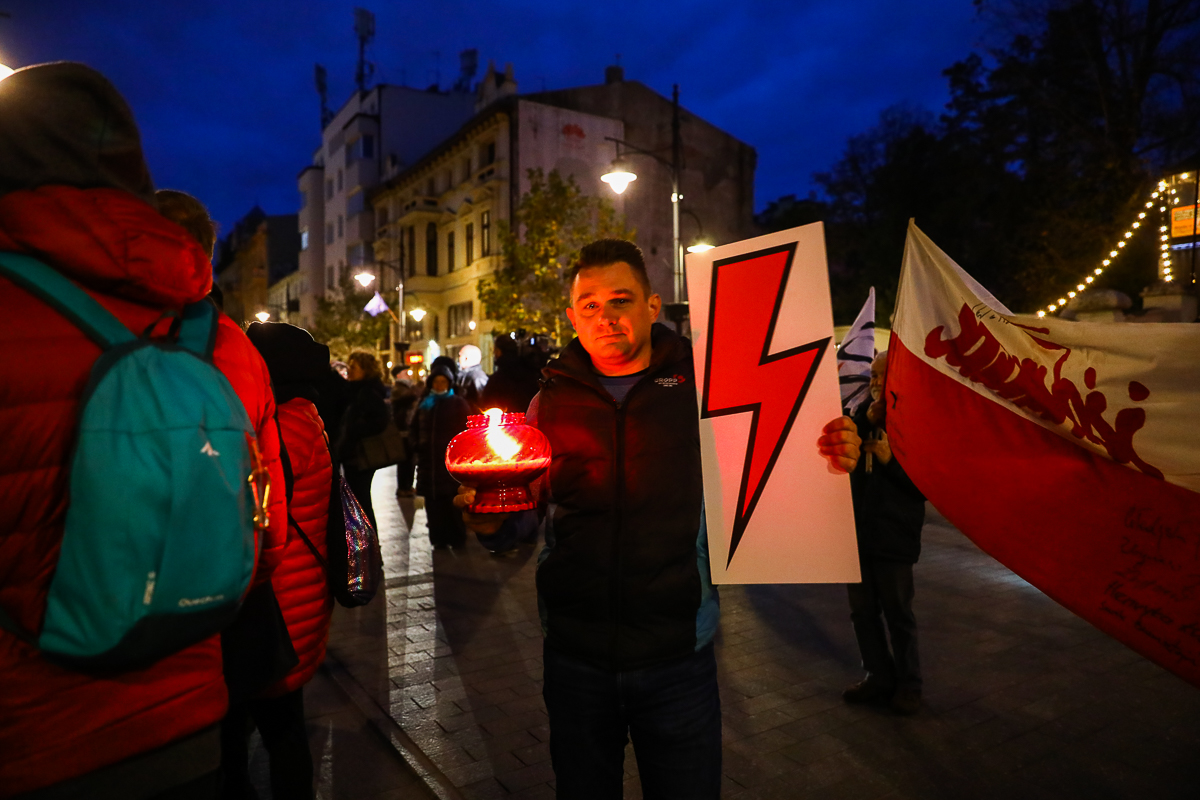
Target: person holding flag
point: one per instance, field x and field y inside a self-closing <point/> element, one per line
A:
<point x="889" y="512"/>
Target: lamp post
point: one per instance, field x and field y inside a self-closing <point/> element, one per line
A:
<point x="620" y="176"/>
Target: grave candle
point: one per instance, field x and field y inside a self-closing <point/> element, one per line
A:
<point x="500" y="456"/>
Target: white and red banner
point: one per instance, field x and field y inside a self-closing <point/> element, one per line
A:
<point x="1069" y="451"/>
<point x="766" y="380"/>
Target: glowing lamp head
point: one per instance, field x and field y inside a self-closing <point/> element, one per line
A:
<point x="263" y="316"/>
<point x="5" y="71"/>
<point x="619" y="176"/>
<point x="365" y="278"/>
<point x="700" y="247"/>
<point x="500" y="456"/>
<point x="417" y="313"/>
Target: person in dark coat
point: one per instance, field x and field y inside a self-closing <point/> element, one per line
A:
<point x="472" y="380"/>
<point x="366" y="414"/>
<point x="441" y="415"/>
<point x="889" y="512"/>
<point x="404" y="405"/>
<point x="515" y="381"/>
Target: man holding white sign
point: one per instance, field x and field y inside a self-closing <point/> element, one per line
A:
<point x="624" y="583"/>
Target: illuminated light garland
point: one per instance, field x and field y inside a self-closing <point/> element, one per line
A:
<point x="1162" y="190"/>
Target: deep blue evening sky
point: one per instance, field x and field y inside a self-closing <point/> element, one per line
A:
<point x="223" y="91"/>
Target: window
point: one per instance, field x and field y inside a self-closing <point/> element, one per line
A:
<point x="427" y="328"/>
<point x="470" y="242"/>
<point x="341" y="226"/>
<point x="303" y="199"/>
<point x="304" y="238"/>
<point x="329" y="189"/>
<point x="381" y="216"/>
<point x="485" y="233"/>
<point x="329" y="277"/>
<point x="328" y="233"/>
<point x="339" y="182"/>
<point x="362" y="147"/>
<point x="431" y="265"/>
<point x="356" y="203"/>
<point x="356" y="254"/>
<point x="466" y="168"/>
<point x="430" y="188"/>
<point x="450" y="251"/>
<point x="447" y="180"/>
<point x="458" y="319"/>
<point x="489" y="154"/>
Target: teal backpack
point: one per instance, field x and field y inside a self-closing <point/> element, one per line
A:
<point x="166" y="488"/>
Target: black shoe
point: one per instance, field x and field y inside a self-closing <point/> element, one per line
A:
<point x="869" y="690"/>
<point x="906" y="701"/>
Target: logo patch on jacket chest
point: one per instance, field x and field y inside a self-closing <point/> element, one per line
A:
<point x="673" y="380"/>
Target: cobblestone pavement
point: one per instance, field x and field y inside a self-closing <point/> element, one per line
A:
<point x="1022" y="699"/>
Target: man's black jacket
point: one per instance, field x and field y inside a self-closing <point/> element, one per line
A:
<point x="888" y="509"/>
<point x="619" y="581"/>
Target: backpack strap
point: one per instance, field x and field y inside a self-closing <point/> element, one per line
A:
<point x="63" y="295"/>
<point x="289" y="481"/>
<point x="289" y="477"/>
<point x="198" y="329"/>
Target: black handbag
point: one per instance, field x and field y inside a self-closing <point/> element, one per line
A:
<point x="385" y="448"/>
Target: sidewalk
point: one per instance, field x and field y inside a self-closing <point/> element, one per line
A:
<point x="1022" y="698"/>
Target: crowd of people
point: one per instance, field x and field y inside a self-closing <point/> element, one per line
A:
<point x="628" y="610"/>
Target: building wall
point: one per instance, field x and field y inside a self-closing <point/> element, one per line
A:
<point x="716" y="182"/>
<point x="401" y="124"/>
<point x="311" y="226"/>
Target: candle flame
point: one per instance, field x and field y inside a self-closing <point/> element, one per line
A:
<point x="501" y="443"/>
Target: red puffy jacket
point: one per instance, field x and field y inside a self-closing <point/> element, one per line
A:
<point x="56" y="724"/>
<point x="299" y="580"/>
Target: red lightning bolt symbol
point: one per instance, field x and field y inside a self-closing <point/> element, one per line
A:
<point x="743" y="376"/>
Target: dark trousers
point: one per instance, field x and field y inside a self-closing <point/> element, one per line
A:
<point x="405" y="470"/>
<point x="360" y="483"/>
<point x="886" y="593"/>
<point x="445" y="522"/>
<point x="280" y="722"/>
<point x="671" y="711"/>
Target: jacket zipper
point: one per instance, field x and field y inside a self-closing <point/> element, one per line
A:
<point x="619" y="471"/>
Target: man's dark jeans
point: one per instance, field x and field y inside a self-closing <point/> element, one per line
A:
<point x="887" y="590"/>
<point x="671" y="711"/>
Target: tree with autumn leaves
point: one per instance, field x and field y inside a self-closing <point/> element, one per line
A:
<point x="552" y="222"/>
<point x="1051" y="142"/>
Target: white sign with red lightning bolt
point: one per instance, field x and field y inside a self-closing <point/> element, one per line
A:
<point x="766" y="380"/>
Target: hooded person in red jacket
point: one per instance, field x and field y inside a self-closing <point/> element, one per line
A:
<point x="298" y="365"/>
<point x="76" y="194"/>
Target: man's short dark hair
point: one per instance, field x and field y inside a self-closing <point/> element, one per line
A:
<point x="605" y="252"/>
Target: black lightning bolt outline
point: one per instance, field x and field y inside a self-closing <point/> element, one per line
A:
<point x="742" y="520"/>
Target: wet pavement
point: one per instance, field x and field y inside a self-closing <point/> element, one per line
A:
<point x="434" y="690"/>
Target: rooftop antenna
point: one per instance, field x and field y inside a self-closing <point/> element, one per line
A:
<point x="364" y="29"/>
<point x="320" y="78"/>
<point x="468" y="61"/>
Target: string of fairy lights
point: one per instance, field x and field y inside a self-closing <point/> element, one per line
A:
<point x="1162" y="193"/>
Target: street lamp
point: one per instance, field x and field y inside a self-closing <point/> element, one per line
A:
<point x="700" y="247"/>
<point x="417" y="313"/>
<point x="365" y="278"/>
<point x="5" y="71"/>
<point x="263" y="316"/>
<point x="619" y="176"/>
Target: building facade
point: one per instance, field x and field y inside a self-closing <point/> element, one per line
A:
<point x="259" y="252"/>
<point x="437" y="220"/>
<point x="376" y="134"/>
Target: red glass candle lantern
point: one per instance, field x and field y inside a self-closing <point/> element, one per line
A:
<point x="500" y="456"/>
